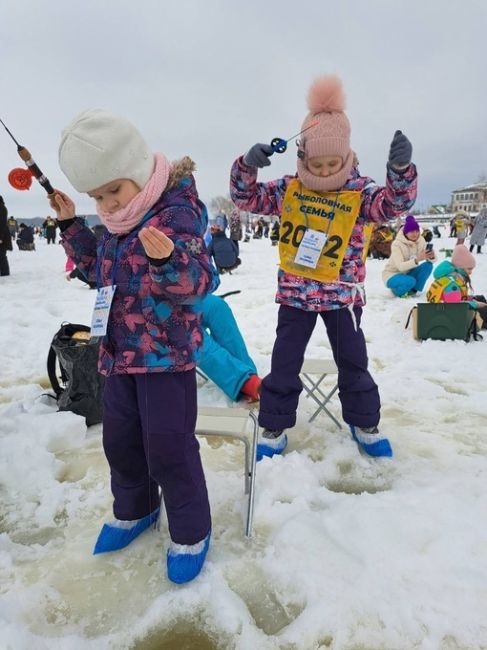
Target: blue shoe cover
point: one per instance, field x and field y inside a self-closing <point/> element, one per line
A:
<point x="112" y="538"/>
<point x="269" y="446"/>
<point x="183" y="567"/>
<point x="380" y="448"/>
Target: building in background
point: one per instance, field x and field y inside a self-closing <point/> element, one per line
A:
<point x="471" y="198"/>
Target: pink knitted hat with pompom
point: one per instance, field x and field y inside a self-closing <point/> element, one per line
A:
<point x="329" y="136"/>
<point x="462" y="257"/>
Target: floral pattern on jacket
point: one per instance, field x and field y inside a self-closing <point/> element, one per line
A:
<point x="154" y="322"/>
<point x="379" y="205"/>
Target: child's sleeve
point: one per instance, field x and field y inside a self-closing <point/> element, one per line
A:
<point x="259" y="198"/>
<point x="381" y="204"/>
<point x="79" y="242"/>
<point x="187" y="276"/>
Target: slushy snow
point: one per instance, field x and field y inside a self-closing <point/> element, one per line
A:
<point x="348" y="552"/>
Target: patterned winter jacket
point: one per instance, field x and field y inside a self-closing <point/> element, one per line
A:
<point x="154" y="323"/>
<point x="451" y="285"/>
<point x="379" y="204"/>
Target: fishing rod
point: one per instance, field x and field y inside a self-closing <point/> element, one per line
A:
<point x="279" y="145"/>
<point x="17" y="180"/>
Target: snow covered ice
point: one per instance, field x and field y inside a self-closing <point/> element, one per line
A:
<point x="348" y="552"/>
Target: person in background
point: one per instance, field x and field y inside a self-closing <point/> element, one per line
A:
<point x="329" y="284"/>
<point x="13" y="227"/>
<point x="274" y="235"/>
<point x="235" y="227"/>
<point x="25" y="238"/>
<point x="5" y="239"/>
<point x="221" y="221"/>
<point x="223" y="250"/>
<point x="381" y="242"/>
<point x="479" y="232"/>
<point x="410" y="264"/>
<point x="427" y="235"/>
<point x="49" y="227"/>
<point x="461" y="226"/>
<point x="436" y="229"/>
<point x="223" y="357"/>
<point x="259" y="228"/>
<point x="452" y="283"/>
<point x="73" y="273"/>
<point x="453" y="227"/>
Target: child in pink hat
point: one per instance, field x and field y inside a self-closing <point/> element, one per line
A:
<point x="452" y="283"/>
<point x="323" y="211"/>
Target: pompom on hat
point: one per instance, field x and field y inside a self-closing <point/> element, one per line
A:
<point x="99" y="147"/>
<point x="410" y="225"/>
<point x="329" y="135"/>
<point x="462" y="257"/>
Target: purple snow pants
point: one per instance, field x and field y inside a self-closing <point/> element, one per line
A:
<point x="148" y="437"/>
<point x="280" y="390"/>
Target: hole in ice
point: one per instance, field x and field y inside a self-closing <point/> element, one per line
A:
<point x="72" y="472"/>
<point x="77" y="462"/>
<point x="32" y="536"/>
<point x="352" y="485"/>
<point x="270" y="610"/>
<point x="325" y="642"/>
<point x="348" y="482"/>
<point x="179" y="637"/>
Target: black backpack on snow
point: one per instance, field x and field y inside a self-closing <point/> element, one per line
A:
<point x="76" y="355"/>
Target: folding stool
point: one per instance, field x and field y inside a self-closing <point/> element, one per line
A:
<point x="320" y="368"/>
<point x="201" y="374"/>
<point x="232" y="423"/>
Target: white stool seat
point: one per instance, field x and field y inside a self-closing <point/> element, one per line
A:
<point x="320" y="368"/>
<point x="233" y="423"/>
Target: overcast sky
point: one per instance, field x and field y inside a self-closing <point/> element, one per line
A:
<point x="210" y="78"/>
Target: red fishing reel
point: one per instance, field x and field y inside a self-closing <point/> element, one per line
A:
<point x="20" y="178"/>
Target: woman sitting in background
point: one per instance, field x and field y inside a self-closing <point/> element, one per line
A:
<point x="410" y="263"/>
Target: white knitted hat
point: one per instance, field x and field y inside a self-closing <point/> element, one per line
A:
<point x="99" y="147"/>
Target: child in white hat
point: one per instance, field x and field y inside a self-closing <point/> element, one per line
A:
<point x="151" y="269"/>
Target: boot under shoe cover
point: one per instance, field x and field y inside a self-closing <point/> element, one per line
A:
<point x="371" y="442"/>
<point x="185" y="561"/>
<point x="270" y="443"/>
<point x="118" y="535"/>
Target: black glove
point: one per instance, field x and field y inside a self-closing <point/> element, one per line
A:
<point x="401" y="152"/>
<point x="258" y="155"/>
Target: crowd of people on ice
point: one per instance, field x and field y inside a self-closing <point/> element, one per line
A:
<point x="157" y="265"/>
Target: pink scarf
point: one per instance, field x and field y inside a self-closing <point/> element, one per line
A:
<point x="331" y="183"/>
<point x="124" y="220"/>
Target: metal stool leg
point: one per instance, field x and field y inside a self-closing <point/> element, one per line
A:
<point x="253" y="466"/>
<point x="250" y="464"/>
<point x="314" y="388"/>
<point x="202" y="375"/>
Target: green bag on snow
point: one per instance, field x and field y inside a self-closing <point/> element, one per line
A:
<point x="442" y="321"/>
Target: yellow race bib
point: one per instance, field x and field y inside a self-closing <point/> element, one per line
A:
<point x="333" y="213"/>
